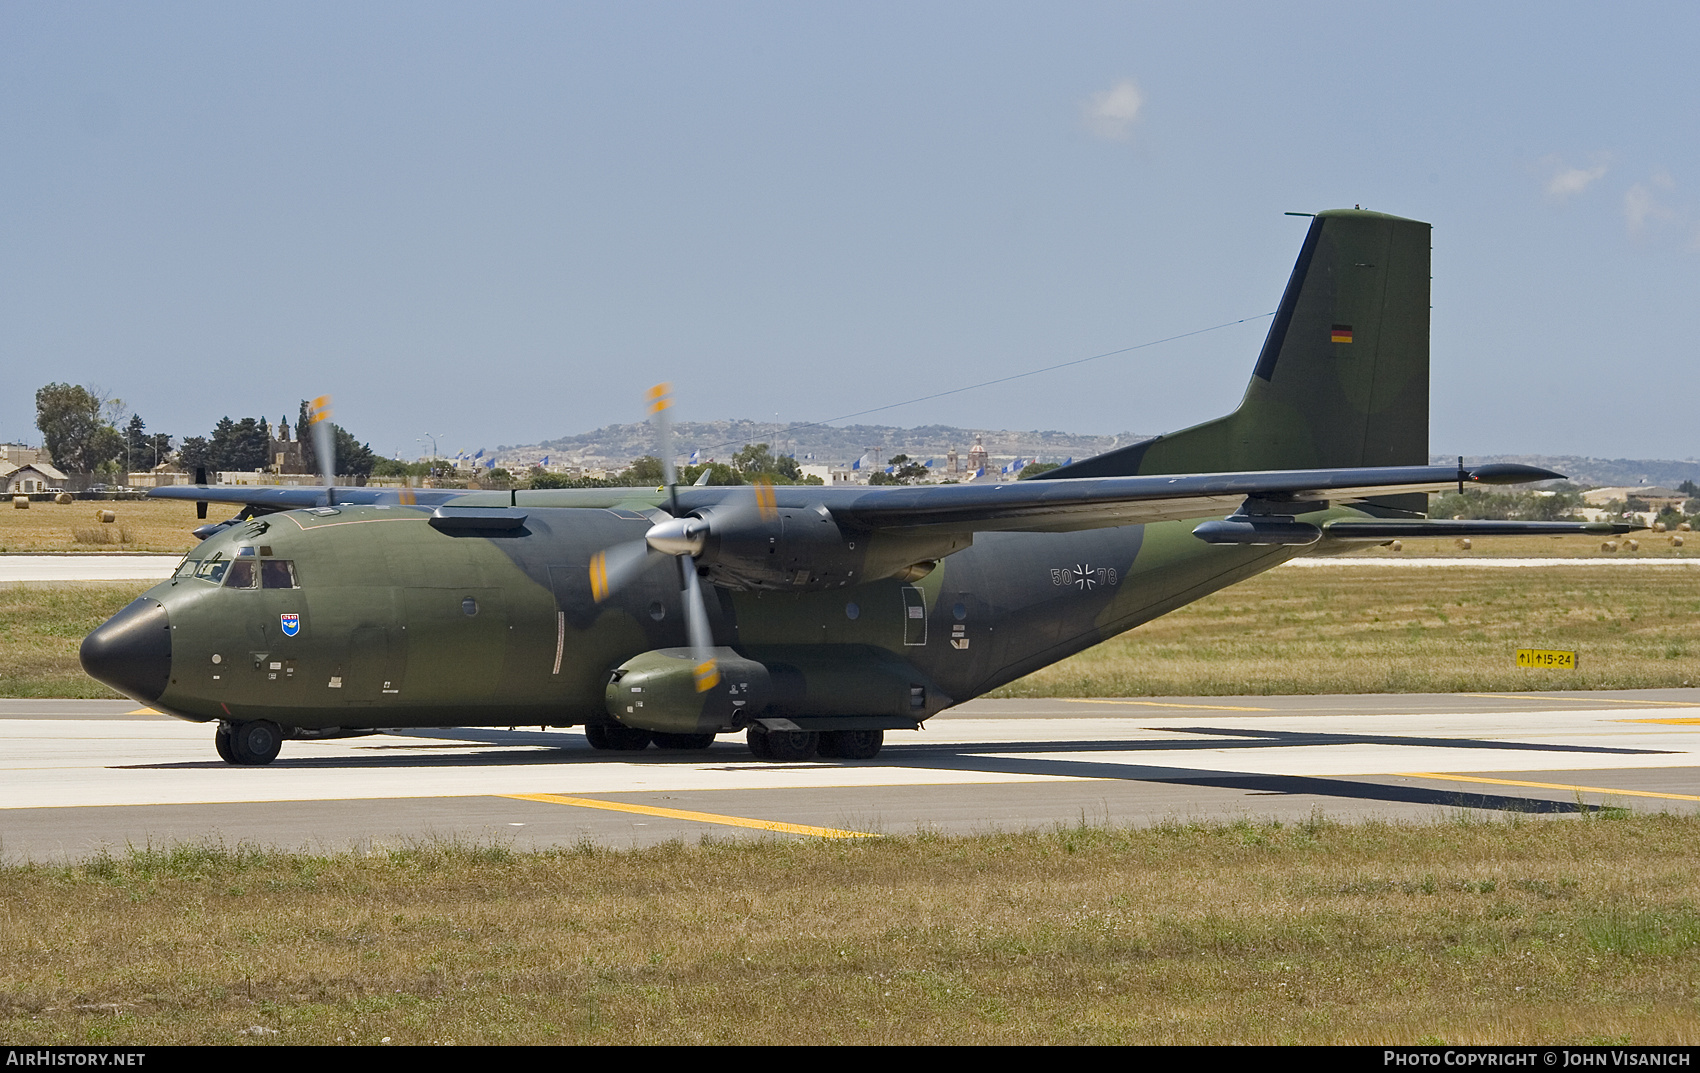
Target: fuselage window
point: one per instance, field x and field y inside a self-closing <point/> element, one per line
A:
<point x="277" y="574"/>
<point x="240" y="575"/>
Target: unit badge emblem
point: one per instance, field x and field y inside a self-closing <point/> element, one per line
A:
<point x="291" y="624"/>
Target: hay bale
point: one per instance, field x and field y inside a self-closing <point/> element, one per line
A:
<point x="106" y="516"/>
<point x="20" y="502"/>
<point x="63" y="498"/>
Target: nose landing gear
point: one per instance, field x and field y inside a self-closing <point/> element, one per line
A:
<point x="255" y="742"/>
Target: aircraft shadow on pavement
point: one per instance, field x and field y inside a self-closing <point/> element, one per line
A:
<point x="515" y="748"/>
<point x="1236" y="738"/>
<point x="1344" y="787"/>
<point x="470" y="754"/>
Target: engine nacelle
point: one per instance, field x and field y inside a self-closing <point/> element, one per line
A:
<point x="657" y="691"/>
<point x="801" y="549"/>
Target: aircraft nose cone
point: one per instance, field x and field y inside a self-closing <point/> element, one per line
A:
<point x="131" y="651"/>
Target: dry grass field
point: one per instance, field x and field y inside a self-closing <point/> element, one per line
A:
<point x="142" y="525"/>
<point x="1294" y="630"/>
<point x="1649" y="545"/>
<point x="1551" y="931"/>
<point x="1361" y="630"/>
<point x="41" y="628"/>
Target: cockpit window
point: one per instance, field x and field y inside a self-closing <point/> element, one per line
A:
<point x="240" y="575"/>
<point x="187" y="568"/>
<point x="277" y="574"/>
<point x="212" y="570"/>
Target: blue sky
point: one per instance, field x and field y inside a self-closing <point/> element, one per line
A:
<point x="500" y="223"/>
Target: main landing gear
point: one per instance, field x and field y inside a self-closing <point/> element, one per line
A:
<point x="255" y="742"/>
<point x="794" y="745"/>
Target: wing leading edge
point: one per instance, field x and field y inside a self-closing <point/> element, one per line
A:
<point x="1018" y="506"/>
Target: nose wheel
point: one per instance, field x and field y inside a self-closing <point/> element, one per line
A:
<point x="256" y="742"/>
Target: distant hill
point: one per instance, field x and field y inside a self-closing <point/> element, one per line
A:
<point x="619" y="444"/>
<point x="721" y="439"/>
<point x="1600" y="472"/>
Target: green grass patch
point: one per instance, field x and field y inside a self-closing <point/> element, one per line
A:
<point x="1363" y="630"/>
<point x="41" y="629"/>
<point x="1517" y="931"/>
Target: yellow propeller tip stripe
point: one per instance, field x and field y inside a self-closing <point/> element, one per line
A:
<point x="707" y="676"/>
<point x="598" y="577"/>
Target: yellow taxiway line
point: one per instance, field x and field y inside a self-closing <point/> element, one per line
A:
<point x="698" y="817"/>
<point x="1667" y="722"/>
<point x="1548" y="786"/>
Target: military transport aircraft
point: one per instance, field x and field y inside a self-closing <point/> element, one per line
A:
<point x="813" y="619"/>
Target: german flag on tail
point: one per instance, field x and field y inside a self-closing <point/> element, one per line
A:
<point x="1340" y="333"/>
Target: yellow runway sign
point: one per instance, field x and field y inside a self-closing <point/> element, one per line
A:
<point x="1540" y="657"/>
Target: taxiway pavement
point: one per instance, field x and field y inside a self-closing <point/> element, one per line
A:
<point x="81" y="777"/>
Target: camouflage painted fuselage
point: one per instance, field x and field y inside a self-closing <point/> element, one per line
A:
<point x="399" y="624"/>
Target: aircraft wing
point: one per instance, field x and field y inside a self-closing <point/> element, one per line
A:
<point x="1097" y="502"/>
<point x="1042" y="506"/>
<point x="270" y="497"/>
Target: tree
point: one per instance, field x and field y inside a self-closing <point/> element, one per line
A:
<point x="758" y="462"/>
<point x="719" y="473"/>
<point x="73" y="430"/>
<point x="903" y="471"/>
<point x="136" y="446"/>
<point x="642" y="471"/>
<point x="158" y="447"/>
<point x="195" y="453"/>
<point x="239" y="445"/>
<point x="1029" y="472"/>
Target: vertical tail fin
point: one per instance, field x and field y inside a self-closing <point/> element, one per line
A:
<point x="1343" y="377"/>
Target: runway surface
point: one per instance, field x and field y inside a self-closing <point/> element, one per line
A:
<point x="79" y="777"/>
<point x="48" y="569"/>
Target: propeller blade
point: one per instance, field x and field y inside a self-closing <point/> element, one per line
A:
<point x="660" y="401"/>
<point x="707" y="672"/>
<point x="745" y="504"/>
<point x="613" y="568"/>
<point x="324" y="441"/>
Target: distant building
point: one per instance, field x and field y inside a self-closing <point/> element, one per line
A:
<point x="18" y="455"/>
<point x="284" y="455"/>
<point x="161" y="476"/>
<point x="34" y="477"/>
<point x="1656" y="497"/>
<point x="976" y="457"/>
